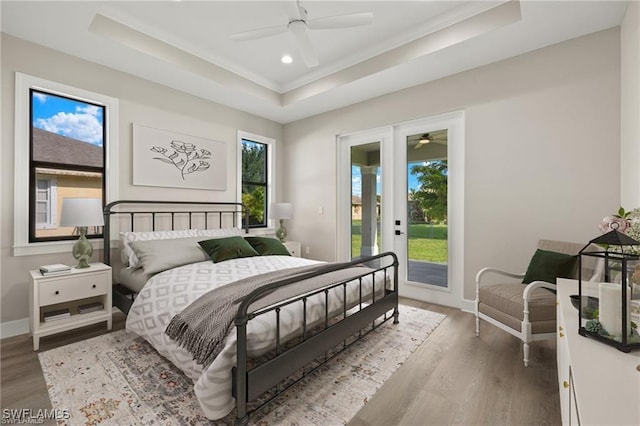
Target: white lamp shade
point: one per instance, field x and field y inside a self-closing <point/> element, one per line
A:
<point x="281" y="211"/>
<point x="81" y="212"/>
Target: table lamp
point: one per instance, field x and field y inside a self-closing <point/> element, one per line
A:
<point x="82" y="213"/>
<point x="281" y="211"/>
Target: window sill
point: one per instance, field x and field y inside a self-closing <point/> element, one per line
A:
<point x="262" y="231"/>
<point x="51" y="247"/>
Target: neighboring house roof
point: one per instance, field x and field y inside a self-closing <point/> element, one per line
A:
<point x="55" y="148"/>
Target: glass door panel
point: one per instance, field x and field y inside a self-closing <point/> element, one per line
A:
<point x="427" y="205"/>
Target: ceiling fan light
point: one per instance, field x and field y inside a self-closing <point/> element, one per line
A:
<point x="425" y="138"/>
<point x="286" y="59"/>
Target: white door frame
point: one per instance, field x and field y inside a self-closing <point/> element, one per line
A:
<point x="345" y="142"/>
<point x="394" y="192"/>
<point x="454" y="124"/>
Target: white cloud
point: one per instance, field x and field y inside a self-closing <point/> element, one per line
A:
<point x="41" y="97"/>
<point x="82" y="125"/>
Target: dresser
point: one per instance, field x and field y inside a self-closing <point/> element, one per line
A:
<point x="599" y="385"/>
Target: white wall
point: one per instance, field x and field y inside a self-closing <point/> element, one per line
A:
<point x="630" y="117"/>
<point x="542" y="151"/>
<point x="141" y="102"/>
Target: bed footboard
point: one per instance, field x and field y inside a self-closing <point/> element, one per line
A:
<point x="336" y="333"/>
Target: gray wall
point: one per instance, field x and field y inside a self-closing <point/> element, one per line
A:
<point x="630" y="119"/>
<point x="140" y="101"/>
<point x="542" y="151"/>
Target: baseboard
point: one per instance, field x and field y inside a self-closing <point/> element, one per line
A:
<point x="14" y="328"/>
<point x="468" y="306"/>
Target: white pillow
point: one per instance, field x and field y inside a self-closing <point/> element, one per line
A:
<point x="128" y="237"/>
<point x="159" y="255"/>
<point x="222" y="232"/>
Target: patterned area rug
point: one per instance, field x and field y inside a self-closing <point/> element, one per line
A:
<point x="119" y="379"/>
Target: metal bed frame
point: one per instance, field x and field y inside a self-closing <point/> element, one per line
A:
<point x="174" y="211"/>
<point x="313" y="348"/>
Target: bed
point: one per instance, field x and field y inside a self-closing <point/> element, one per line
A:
<point x="294" y="315"/>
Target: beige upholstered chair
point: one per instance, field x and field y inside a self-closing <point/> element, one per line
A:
<point x="527" y="311"/>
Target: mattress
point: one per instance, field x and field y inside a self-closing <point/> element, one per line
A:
<point x="168" y="293"/>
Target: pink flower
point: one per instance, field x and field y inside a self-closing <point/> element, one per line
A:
<point x="610" y="223"/>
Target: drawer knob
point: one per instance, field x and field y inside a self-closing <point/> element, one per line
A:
<point x="561" y="334"/>
<point x="565" y="384"/>
<point x="57" y="292"/>
<point x="93" y="286"/>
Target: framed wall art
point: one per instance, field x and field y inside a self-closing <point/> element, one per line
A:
<point x="175" y="160"/>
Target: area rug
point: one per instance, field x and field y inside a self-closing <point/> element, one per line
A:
<point x="119" y="379"/>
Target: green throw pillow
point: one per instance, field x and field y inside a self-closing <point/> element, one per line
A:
<point x="220" y="249"/>
<point x="267" y="246"/>
<point x="549" y="265"/>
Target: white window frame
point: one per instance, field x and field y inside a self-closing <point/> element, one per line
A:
<point x="24" y="82"/>
<point x="271" y="167"/>
<point x="52" y="194"/>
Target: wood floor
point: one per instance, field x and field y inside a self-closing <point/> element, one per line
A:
<point x="454" y="378"/>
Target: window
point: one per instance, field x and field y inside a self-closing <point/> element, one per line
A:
<point x="65" y="140"/>
<point x="256" y="157"/>
<point x="67" y="155"/>
<point x="45" y="208"/>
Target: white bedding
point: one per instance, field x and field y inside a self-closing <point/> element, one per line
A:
<point x="167" y="293"/>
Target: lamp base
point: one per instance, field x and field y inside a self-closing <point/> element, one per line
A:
<point x="281" y="233"/>
<point x="82" y="249"/>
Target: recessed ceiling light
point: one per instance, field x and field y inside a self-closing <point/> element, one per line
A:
<point x="286" y="59"/>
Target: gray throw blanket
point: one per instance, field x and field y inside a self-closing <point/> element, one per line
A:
<point x="202" y="327"/>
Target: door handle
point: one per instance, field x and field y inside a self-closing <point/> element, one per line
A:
<point x="398" y="232"/>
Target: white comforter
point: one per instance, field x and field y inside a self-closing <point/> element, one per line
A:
<point x="168" y="292"/>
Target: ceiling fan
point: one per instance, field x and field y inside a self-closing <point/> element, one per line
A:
<point x="426" y="138"/>
<point x="299" y="24"/>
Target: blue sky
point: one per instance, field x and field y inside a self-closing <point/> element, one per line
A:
<point x="68" y="117"/>
<point x="356" y="180"/>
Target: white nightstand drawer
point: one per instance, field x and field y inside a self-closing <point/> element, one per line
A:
<point x="66" y="288"/>
<point x="293" y="247"/>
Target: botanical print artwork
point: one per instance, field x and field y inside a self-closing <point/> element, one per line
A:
<point x="169" y="159"/>
<point x="184" y="157"/>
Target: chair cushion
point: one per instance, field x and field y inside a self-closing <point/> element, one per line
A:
<point x="549" y="265"/>
<point x="506" y="299"/>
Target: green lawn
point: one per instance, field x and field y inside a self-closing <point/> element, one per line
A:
<point x="426" y="242"/>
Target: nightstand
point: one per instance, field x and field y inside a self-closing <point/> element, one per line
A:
<point x="79" y="292"/>
<point x="293" y="247"/>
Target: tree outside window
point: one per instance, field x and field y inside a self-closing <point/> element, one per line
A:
<point x="431" y="195"/>
<point x="254" y="181"/>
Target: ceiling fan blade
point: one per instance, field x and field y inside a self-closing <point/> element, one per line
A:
<point x="309" y="55"/>
<point x="341" y="21"/>
<point x="259" y="33"/>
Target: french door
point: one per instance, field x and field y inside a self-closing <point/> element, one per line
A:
<point x="400" y="189"/>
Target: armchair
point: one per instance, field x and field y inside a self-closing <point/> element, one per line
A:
<point x="528" y="311"/>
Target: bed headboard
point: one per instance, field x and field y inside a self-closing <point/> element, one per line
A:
<point x="148" y="215"/>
